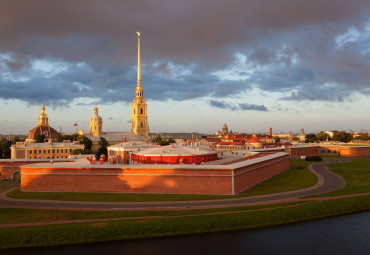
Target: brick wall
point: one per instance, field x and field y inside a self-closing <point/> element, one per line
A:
<point x="250" y="176"/>
<point x="185" y="179"/>
<point x="143" y="180"/>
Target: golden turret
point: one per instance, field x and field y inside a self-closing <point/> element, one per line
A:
<point x="43" y="117"/>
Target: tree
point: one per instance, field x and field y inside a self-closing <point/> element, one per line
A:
<point x="311" y="138"/>
<point x="323" y="136"/>
<point x="86" y="141"/>
<point x="15" y="140"/>
<point x="363" y="137"/>
<point x="81" y="151"/>
<point x="158" y="140"/>
<point x="73" y="137"/>
<point x="103" y="148"/>
<point x="5" y="148"/>
<point x="76" y="137"/>
<point x="39" y="138"/>
<point x="277" y="140"/>
<point x="342" y="136"/>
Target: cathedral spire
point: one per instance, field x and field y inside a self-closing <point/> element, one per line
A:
<point x="138" y="60"/>
<point x="139" y="106"/>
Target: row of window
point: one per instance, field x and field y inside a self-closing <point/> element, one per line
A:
<point x="50" y="151"/>
<point x="47" y="157"/>
<point x="113" y="152"/>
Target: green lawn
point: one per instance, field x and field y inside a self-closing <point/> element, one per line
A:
<point x="297" y="177"/>
<point x="4" y="185"/>
<point x="141" y="228"/>
<point x="356" y="175"/>
<point x="16" y="215"/>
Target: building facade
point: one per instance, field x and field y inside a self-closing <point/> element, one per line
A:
<point x="48" y="150"/>
<point x="139" y="106"/>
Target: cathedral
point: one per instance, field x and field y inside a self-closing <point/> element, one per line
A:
<point x="139" y="106"/>
<point x="139" y="119"/>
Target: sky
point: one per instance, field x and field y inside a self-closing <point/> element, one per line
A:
<point x="253" y="64"/>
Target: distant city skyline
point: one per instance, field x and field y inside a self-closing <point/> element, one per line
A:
<point x="251" y="64"/>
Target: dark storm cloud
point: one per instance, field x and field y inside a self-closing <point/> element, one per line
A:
<point x="243" y="106"/>
<point x="253" y="107"/>
<point x="290" y="47"/>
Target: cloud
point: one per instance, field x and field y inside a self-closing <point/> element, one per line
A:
<point x="72" y="49"/>
<point x="253" y="107"/>
<point x="242" y="106"/>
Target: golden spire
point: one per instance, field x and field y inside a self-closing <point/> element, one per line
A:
<point x="138" y="60"/>
<point x="43" y="117"/>
<point x="43" y="107"/>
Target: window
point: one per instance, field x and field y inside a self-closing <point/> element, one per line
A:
<point x="39" y="151"/>
<point x="53" y="151"/>
<point x="57" y="151"/>
<point x="48" y="151"/>
<point x="95" y="127"/>
<point x="134" y="111"/>
<point x="30" y="151"/>
<point x="43" y="121"/>
<point x="141" y="111"/>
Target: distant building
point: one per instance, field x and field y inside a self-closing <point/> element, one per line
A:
<point x="173" y="154"/>
<point x="96" y="123"/>
<point x="49" y="149"/>
<point x="302" y="135"/>
<point x="122" y="151"/>
<point x="43" y="127"/>
<point x="225" y="129"/>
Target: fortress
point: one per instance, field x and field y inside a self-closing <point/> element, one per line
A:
<point x="155" y="170"/>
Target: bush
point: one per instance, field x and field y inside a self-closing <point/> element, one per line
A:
<point x="313" y="158"/>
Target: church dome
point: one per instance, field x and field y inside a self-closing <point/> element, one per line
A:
<point x="253" y="140"/>
<point x="49" y="132"/>
<point x="225" y="130"/>
<point x="43" y="127"/>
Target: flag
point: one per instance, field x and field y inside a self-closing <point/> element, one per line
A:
<point x="75" y="125"/>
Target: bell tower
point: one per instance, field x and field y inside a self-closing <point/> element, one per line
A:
<point x="139" y="106"/>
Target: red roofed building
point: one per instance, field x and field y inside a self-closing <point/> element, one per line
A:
<point x="173" y="154"/>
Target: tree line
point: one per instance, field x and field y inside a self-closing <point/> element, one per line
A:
<point x="339" y="136"/>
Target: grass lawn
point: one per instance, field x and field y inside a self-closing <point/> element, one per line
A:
<point x="16" y="215"/>
<point x="141" y="228"/>
<point x="297" y="177"/>
<point x="4" y="185"/>
<point x="356" y="175"/>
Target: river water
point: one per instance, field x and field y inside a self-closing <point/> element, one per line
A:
<point x="348" y="234"/>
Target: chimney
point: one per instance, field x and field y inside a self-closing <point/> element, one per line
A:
<point x="270" y="132"/>
<point x="124" y="139"/>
